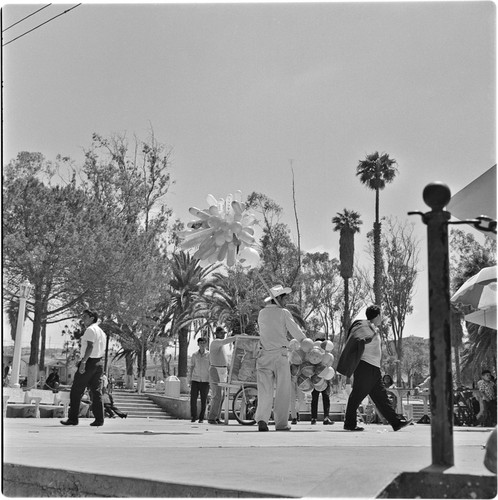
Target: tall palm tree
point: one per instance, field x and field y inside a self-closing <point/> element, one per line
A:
<point x="348" y="223"/>
<point x="375" y="171"/>
<point x="186" y="283"/>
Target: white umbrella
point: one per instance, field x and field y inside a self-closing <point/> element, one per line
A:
<point x="478" y="291"/>
<point x="483" y="317"/>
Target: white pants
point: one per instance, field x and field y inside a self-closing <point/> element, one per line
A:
<point x="273" y="370"/>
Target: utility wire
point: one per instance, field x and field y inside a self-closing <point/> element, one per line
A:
<point x="27" y="17"/>
<point x="58" y="15"/>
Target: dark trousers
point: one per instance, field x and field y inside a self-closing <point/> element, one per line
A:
<point x="367" y="381"/>
<point x="314" y="403"/>
<point x="197" y="388"/>
<point x="91" y="378"/>
<point x="110" y="410"/>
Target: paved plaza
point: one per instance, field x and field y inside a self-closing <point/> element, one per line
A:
<point x="161" y="458"/>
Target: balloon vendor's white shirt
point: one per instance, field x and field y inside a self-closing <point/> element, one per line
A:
<point x="274" y="323"/>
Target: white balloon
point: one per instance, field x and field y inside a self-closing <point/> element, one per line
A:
<point x="249" y="257"/>
<point x="294" y="345"/>
<point x="211" y="200"/>
<point x="306" y="345"/>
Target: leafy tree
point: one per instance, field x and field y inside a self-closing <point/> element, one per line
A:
<point x="348" y="223"/>
<point x="375" y="171"/>
<point x="401" y="250"/>
<point x="279" y="254"/>
<point x="48" y="235"/>
<point x="231" y="300"/>
<point x="415" y="361"/>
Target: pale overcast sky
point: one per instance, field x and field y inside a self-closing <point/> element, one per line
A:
<point x="239" y="90"/>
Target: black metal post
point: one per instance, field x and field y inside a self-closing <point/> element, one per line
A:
<point x="437" y="195"/>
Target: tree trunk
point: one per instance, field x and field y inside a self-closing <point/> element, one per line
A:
<point x="183" y="359"/>
<point x="377" y="266"/>
<point x="129" y="371"/>
<point x="346" y="319"/>
<point x="458" y="373"/>
<point x="35" y="339"/>
<point x="43" y="346"/>
<point x="377" y="256"/>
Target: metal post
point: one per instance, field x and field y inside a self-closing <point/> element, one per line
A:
<point x="24" y="291"/>
<point x="437" y="195"/>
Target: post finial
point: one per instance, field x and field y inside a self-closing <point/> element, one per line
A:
<point x="436" y="195"/>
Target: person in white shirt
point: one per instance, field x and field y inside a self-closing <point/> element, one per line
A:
<point x="272" y="364"/>
<point x="89" y="372"/>
<point x="218" y="371"/>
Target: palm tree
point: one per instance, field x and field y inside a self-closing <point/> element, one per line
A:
<point x="186" y="283"/>
<point x="348" y="223"/>
<point x="375" y="171"/>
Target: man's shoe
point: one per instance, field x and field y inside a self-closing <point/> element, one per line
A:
<point x="327" y="421"/>
<point x="212" y="422"/>
<point x="294" y="421"/>
<point x="192" y="420"/>
<point x="354" y="429"/>
<point x="313" y="421"/>
<point x="262" y="426"/>
<point x="95" y="423"/>
<point x="288" y="428"/>
<point x="403" y="423"/>
<point x="68" y="422"/>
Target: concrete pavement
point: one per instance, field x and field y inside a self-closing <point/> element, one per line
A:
<point x="161" y="458"/>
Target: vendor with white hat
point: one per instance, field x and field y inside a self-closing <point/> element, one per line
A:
<point x="272" y="365"/>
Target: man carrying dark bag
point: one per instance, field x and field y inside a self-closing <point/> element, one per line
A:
<point x="361" y="358"/>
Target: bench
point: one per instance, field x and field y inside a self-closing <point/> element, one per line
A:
<point x="35" y="403"/>
<point x="51" y="404"/>
<point x="338" y="409"/>
<point x="18" y="403"/>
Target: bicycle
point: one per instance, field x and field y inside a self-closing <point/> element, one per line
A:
<point x="244" y="404"/>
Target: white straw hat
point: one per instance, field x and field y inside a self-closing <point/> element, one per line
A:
<point x="277" y="290"/>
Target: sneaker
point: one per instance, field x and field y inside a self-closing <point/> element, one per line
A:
<point x="313" y="421"/>
<point x="262" y="426"/>
<point x="354" y="429"/>
<point x="294" y="421"/>
<point x="403" y="423"/>
<point x="327" y="421"/>
<point x="68" y="422"/>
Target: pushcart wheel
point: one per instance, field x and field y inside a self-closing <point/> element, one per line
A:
<point x="244" y="405"/>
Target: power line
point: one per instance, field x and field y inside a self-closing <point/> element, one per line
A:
<point x="36" y="27"/>
<point x="32" y="14"/>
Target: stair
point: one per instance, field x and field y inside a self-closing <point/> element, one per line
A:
<point x="138" y="405"/>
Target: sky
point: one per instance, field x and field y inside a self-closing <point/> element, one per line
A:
<point x="241" y="92"/>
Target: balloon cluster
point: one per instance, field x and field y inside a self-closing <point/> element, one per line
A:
<point x="222" y="231"/>
<point x="311" y="362"/>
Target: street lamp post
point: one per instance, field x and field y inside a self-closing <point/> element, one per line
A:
<point x="24" y="291"/>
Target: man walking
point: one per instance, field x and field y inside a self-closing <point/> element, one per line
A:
<point x="217" y="372"/>
<point x="361" y="358"/>
<point x="89" y="371"/>
<point x="272" y="364"/>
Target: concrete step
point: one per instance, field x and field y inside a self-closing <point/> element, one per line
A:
<point x="138" y="405"/>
